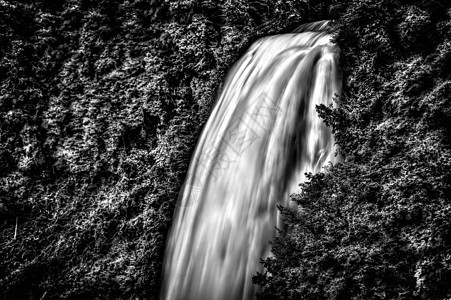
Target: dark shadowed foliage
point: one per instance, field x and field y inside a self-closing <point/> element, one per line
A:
<point x="378" y="225"/>
<point x="101" y="105"/>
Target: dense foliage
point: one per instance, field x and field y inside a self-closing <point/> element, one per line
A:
<point x="101" y="105"/>
<point x="378" y="225"/>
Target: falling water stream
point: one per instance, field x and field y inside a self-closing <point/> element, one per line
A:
<point x="262" y="136"/>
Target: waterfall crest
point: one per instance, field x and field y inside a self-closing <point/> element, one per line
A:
<point x="261" y="137"/>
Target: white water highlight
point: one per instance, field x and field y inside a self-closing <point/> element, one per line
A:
<point x="262" y="136"/>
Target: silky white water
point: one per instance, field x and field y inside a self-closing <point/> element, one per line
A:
<point x="262" y="136"/>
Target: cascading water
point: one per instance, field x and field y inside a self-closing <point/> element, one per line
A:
<point x="262" y="136"/>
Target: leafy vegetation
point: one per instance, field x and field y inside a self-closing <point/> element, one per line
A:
<point x="378" y="225"/>
<point x="101" y="105"/>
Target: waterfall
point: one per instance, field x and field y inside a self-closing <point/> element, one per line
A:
<point x="262" y="136"/>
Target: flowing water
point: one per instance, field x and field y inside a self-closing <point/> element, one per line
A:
<point x="262" y="136"/>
